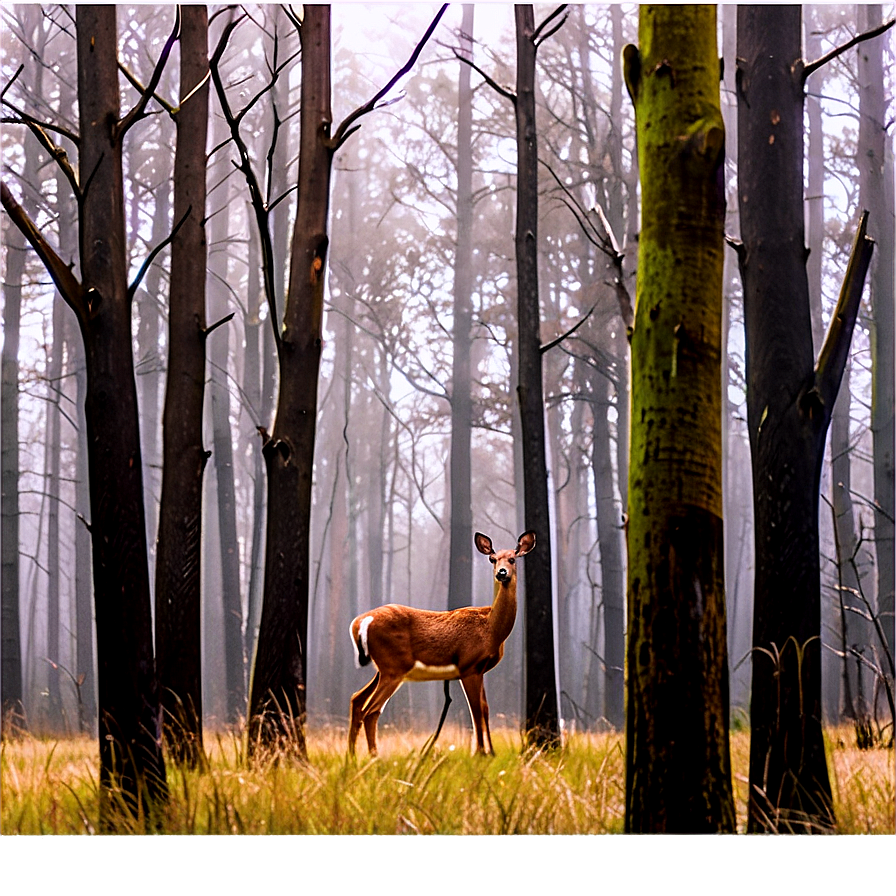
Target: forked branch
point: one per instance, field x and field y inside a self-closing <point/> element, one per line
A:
<point x="66" y="282"/>
<point x="835" y="349"/>
<point x="259" y="207"/>
<point x="139" y="111"/>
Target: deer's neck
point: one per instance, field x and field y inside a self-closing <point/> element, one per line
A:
<point x="503" y="613"/>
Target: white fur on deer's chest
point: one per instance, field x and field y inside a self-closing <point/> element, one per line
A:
<point x="422" y="672"/>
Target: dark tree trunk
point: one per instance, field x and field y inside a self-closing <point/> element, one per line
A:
<point x="131" y="765"/>
<point x="542" y="721"/>
<point x="277" y="706"/>
<point x="178" y="560"/>
<point x="678" y="774"/>
<point x="460" y="554"/>
<point x="789" y="403"/>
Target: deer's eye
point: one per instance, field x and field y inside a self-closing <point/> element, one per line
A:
<point x="491" y="560"/>
<point x="511" y="560"/>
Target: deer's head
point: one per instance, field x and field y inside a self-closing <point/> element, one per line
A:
<point x="505" y="561"/>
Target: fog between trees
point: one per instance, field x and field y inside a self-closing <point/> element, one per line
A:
<point x="419" y="273"/>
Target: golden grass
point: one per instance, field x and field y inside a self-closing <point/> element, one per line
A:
<point x="51" y="787"/>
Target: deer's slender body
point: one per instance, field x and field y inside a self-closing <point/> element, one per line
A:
<point x="406" y="644"/>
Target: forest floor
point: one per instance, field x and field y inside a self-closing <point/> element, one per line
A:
<point x="50" y="787"/>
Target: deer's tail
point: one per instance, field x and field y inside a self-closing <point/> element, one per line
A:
<point x="358" y="633"/>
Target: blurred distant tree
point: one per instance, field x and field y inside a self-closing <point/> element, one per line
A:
<point x="460" y="553"/>
<point x="678" y="773"/>
<point x="875" y="159"/>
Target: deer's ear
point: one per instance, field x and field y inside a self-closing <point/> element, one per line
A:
<point x="526" y="543"/>
<point x="483" y="544"/>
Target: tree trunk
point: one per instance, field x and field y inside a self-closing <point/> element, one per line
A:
<point x="178" y="559"/>
<point x="277" y="707"/>
<point x="789" y="403"/>
<point x="13" y="708"/>
<point x="848" y="604"/>
<point x="612" y="571"/>
<point x="542" y="722"/>
<point x="875" y="158"/>
<point x="131" y="765"/>
<point x="678" y="775"/>
<point x="56" y="344"/>
<point x="460" y="554"/>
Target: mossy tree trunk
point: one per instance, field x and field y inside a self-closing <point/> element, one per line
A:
<point x="678" y="775"/>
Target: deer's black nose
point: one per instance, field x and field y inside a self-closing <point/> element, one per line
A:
<point x="502" y="573"/>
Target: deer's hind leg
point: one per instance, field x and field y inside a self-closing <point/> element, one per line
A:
<point x="359" y="698"/>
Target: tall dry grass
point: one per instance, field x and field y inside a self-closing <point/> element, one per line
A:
<point x="50" y="787"/>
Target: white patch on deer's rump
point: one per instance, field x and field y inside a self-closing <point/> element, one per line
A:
<point x="422" y="672"/>
<point x="362" y="631"/>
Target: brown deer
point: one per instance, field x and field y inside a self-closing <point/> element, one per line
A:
<point x="406" y="644"/>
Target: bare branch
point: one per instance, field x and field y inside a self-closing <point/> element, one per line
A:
<point x="347" y="127"/>
<point x="12" y="80"/>
<point x="141" y="89"/>
<point x="66" y="282"/>
<point x="262" y="212"/>
<point x="568" y="333"/>
<point x="218" y="323"/>
<point x="503" y="91"/>
<point x="139" y="110"/>
<point x="560" y="9"/>
<point x="835" y="350"/>
<point x="57" y="153"/>
<point x="810" y="67"/>
<point x="132" y="289"/>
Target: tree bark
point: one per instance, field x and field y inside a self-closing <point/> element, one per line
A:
<point x="789" y="403"/>
<point x="678" y="774"/>
<point x="178" y="559"/>
<point x="541" y="725"/>
<point x="131" y="765"/>
<point x="277" y="705"/>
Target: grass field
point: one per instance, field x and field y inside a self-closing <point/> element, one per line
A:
<point x="50" y="787"/>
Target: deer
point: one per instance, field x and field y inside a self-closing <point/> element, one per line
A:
<point x="408" y="644"/>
